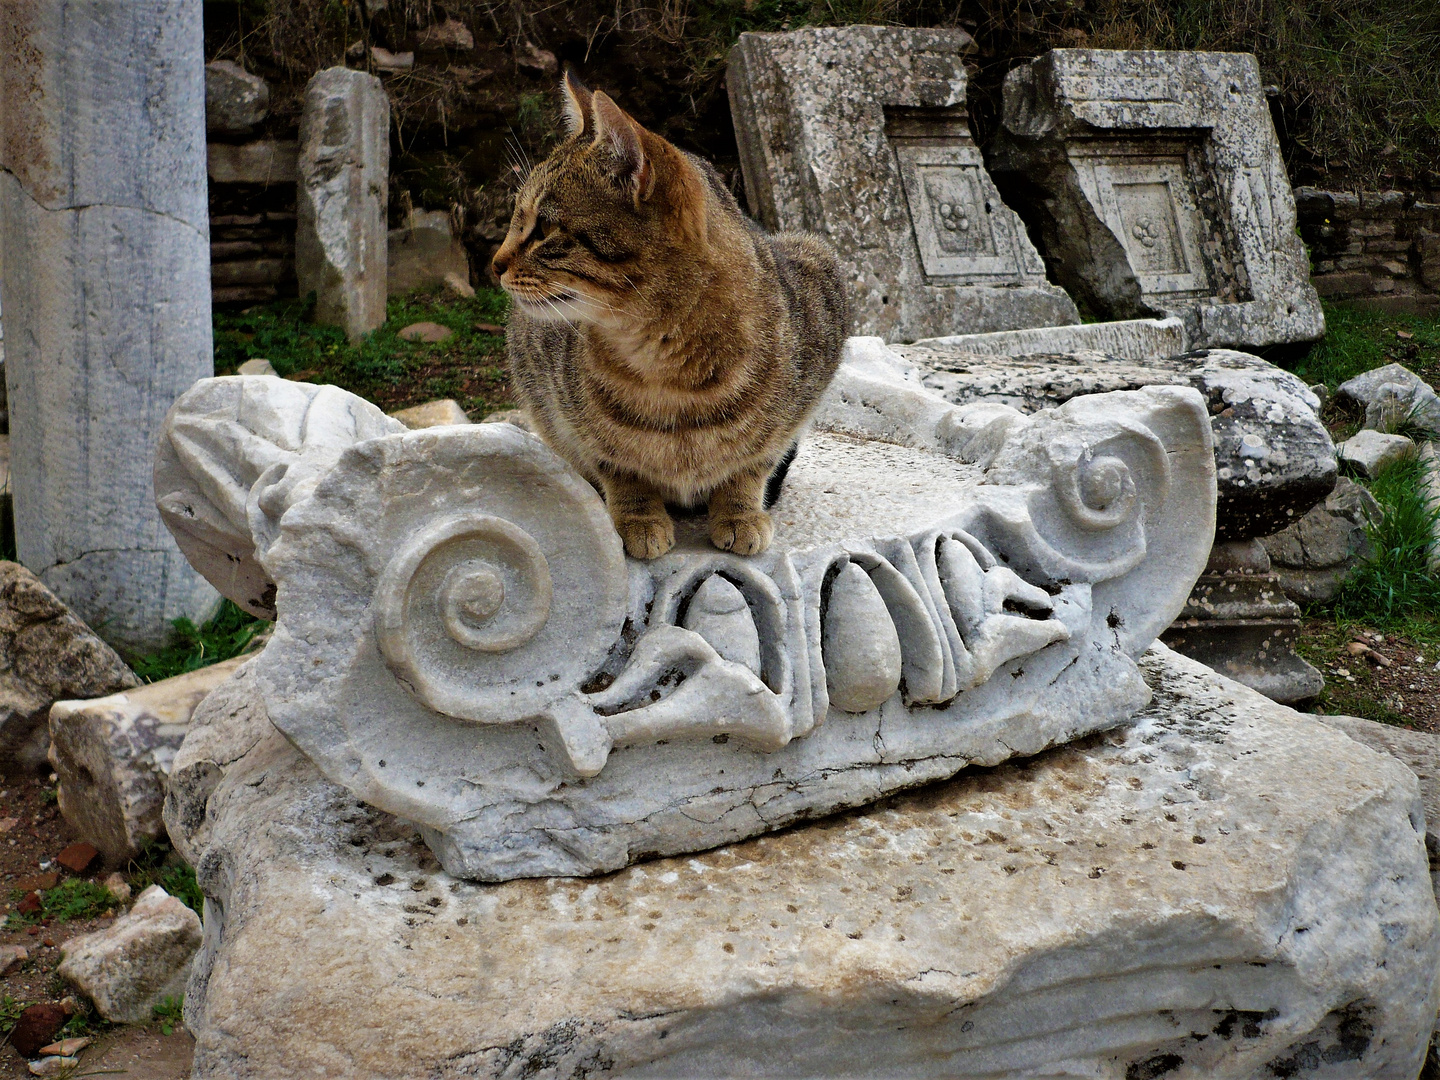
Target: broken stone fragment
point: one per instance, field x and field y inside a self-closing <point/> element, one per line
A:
<point x="11" y="957"/>
<point x="257" y="366"/>
<point x="112" y="756"/>
<point x="861" y="134"/>
<point x="235" y="100"/>
<point x="118" y="886"/>
<point x="424" y="252"/>
<point x="340" y="233"/>
<point x="1371" y="452"/>
<point x="77" y="857"/>
<point x="54" y="1066"/>
<point x="428" y="333"/>
<point x="67" y="1047"/>
<point x="37" y="1026"/>
<point x="385" y="60"/>
<point x="46" y="654"/>
<point x="449" y="34"/>
<point x="1313" y="557"/>
<point x="440" y="413"/>
<point x="536" y="60"/>
<point x="140" y="959"/>
<point x="1393" y="396"/>
<point x="1159" y="188"/>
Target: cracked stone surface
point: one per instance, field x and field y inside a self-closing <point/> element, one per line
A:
<point x="1223" y="888"/>
<point x="46" y="654"/>
<point x="105" y="255"/>
<point x="1274" y="458"/>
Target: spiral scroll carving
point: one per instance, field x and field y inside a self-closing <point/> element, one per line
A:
<point x="1097" y="487"/>
<point x="473" y="581"/>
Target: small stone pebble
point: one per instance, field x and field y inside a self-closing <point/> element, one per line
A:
<point x="53" y="1066"/>
<point x="11" y="957"/>
<point x="257" y="366"/>
<point x="118" y="886"/>
<point x="428" y="332"/>
<point x="67" y="1047"/>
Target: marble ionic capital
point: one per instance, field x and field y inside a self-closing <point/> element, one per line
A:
<point x="461" y="641"/>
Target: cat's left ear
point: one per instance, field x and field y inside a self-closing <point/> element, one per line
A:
<point x="621" y="135"/>
<point x="576" y="103"/>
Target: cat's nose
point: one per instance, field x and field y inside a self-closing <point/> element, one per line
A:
<point x="500" y="263"/>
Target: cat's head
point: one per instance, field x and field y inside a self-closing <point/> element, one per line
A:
<point x="605" y="223"/>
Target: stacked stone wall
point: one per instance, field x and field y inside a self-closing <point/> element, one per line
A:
<point x="1380" y="249"/>
<point x="252" y="221"/>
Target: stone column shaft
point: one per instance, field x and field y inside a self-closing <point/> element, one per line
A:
<point x="104" y="255"/>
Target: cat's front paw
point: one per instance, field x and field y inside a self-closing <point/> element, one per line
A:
<point x="747" y="533"/>
<point x="646" y="537"/>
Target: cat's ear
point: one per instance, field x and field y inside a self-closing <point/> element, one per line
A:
<point x="621" y="135"/>
<point x="575" y="102"/>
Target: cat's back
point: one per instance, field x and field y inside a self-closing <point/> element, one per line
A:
<point x="808" y="272"/>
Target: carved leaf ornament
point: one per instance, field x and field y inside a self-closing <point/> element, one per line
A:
<point x="462" y="588"/>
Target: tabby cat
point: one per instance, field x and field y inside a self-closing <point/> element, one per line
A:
<point x="659" y="341"/>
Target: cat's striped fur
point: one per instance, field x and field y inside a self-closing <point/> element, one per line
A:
<point x="659" y="341"/>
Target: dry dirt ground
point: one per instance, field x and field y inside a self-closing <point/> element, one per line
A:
<point x="1404" y="691"/>
<point x="28" y="848"/>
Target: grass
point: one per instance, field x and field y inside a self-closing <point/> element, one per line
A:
<point x="1396" y="585"/>
<point x="1357" y="341"/>
<point x="1394" y="591"/>
<point x="192" y="647"/>
<point x="382" y="367"/>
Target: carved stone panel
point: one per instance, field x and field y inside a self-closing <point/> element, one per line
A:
<point x="1163" y="190"/>
<point x="861" y="134"/>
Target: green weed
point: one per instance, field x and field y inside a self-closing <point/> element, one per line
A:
<point x="157" y="864"/>
<point x="74" y="898"/>
<point x="192" y="647"/>
<point x="86" y="1021"/>
<point x="170" y="1012"/>
<point x="10" y="1010"/>
<point x="1395" y="585"/>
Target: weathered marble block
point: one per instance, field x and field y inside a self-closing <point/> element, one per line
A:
<point x="1222" y="889"/>
<point x="1163" y="190"/>
<point x="112" y="755"/>
<point x="341" y="240"/>
<point x="460" y="640"/>
<point x="862" y="134"/>
<point x="1129" y="339"/>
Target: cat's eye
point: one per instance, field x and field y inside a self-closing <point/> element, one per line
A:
<point x="545" y="227"/>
